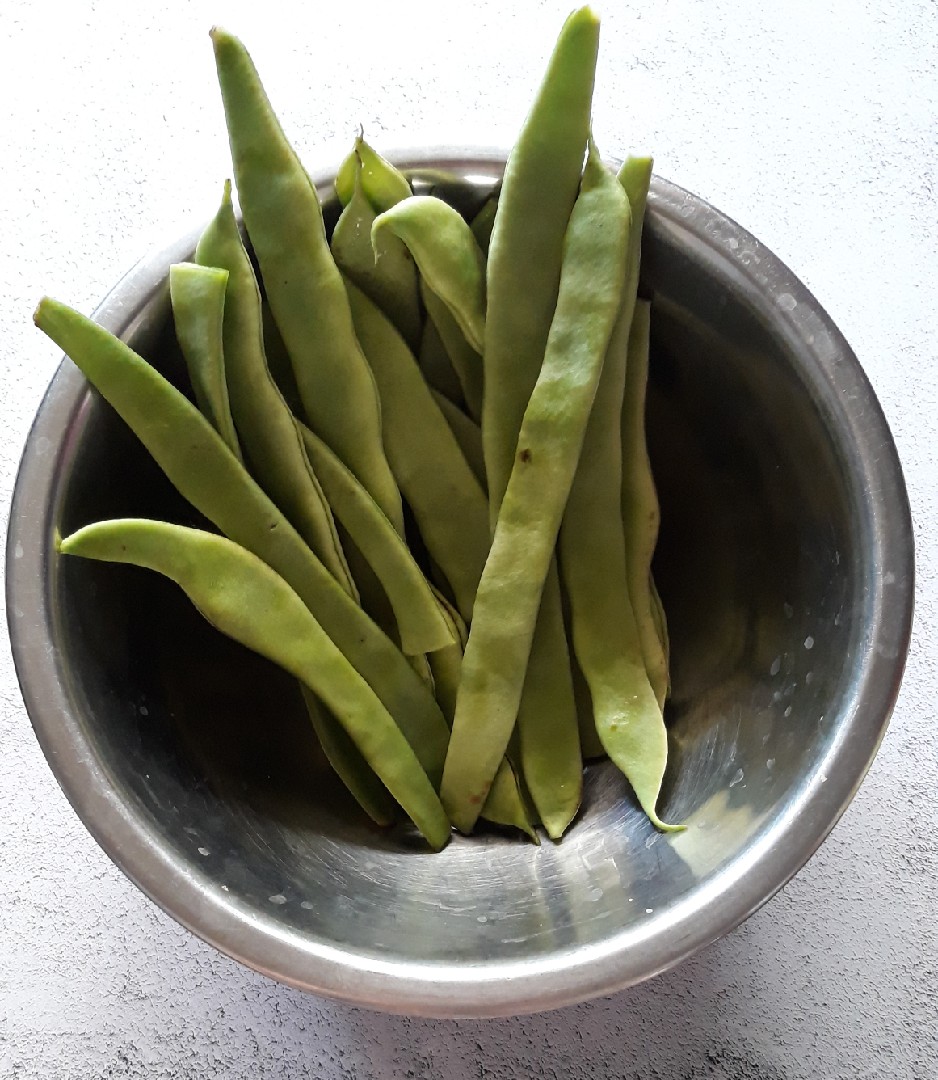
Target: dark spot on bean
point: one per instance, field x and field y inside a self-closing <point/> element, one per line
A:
<point x="525" y="455"/>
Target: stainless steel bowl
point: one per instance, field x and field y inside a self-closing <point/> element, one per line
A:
<point x="785" y="562"/>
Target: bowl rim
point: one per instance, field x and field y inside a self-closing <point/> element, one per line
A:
<point x="716" y="906"/>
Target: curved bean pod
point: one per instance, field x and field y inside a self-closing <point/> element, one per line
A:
<point x="385" y="273"/>
<point x="437" y="368"/>
<point x="465" y="360"/>
<point x="640" y="501"/>
<point x="205" y="472"/>
<point x="347" y="762"/>
<point x="467" y="432"/>
<point x="242" y="597"/>
<point x="542" y="178"/>
<point x="446" y="499"/>
<point x="197" y="294"/>
<point x="509" y="595"/>
<point x="269" y="430"/>
<point x="304" y="287"/>
<point x="593" y="556"/>
<point x="484" y="221"/>
<point x="421" y="623"/>
<point x="383" y="184"/>
<point x="446" y="254"/>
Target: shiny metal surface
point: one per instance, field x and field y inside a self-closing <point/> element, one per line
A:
<point x="785" y="562"/>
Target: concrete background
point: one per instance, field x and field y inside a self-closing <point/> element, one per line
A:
<point x="815" y="124"/>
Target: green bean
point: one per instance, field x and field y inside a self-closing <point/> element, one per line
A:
<point x="205" y="472"/>
<point x="304" y="287"/>
<point x="347" y="762"/>
<point x="385" y="273"/>
<point x="242" y="597"/>
<point x="272" y="439"/>
<point x="198" y="298"/>
<point x="539" y="188"/>
<point x="422" y="625"/>
<point x="640" y="501"/>
<point x="661" y="624"/>
<point x="446" y="254"/>
<point x="437" y="368"/>
<point x="542" y="178"/>
<point x="382" y="183"/>
<point x="484" y="221"/>
<point x="509" y="594"/>
<point x="465" y="361"/>
<point x="547" y="725"/>
<point x="446" y="499"/>
<point x="593" y="556"/>
<point x="467" y="432"/>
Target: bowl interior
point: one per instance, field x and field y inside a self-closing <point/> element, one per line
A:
<point x="763" y="565"/>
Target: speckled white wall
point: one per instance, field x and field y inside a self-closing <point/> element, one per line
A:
<point x="815" y="123"/>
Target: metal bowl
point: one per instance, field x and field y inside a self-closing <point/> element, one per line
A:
<point x="786" y="566"/>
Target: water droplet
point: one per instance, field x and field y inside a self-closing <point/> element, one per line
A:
<point x="203" y="851"/>
<point x="770" y="764"/>
<point x="144" y="711"/>
<point x="737" y="778"/>
<point x="225" y="888"/>
<point x="277" y="898"/>
<point x="889" y="578"/>
<point x="482" y="918"/>
<point x="649" y="910"/>
<point x="809" y="642"/>
<point x="809" y="678"/>
<point x="787" y="711"/>
<point x="776" y="666"/>
<point x="306" y="905"/>
<point x="786" y="301"/>
<point x="18" y="551"/>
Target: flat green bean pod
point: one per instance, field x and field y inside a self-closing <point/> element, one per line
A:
<point x="484" y="221"/>
<point x="205" y="472"/>
<point x="272" y="439"/>
<point x="243" y="598"/>
<point x="467" y="432"/>
<point x="437" y="368"/>
<point x="385" y="273"/>
<point x="422" y="624"/>
<point x="661" y="624"/>
<point x="509" y="595"/>
<point x="547" y="726"/>
<point x="640" y="501"/>
<point x="466" y="362"/>
<point x="197" y="294"/>
<point x="534" y="204"/>
<point x="593" y="556"/>
<point x="446" y="499"/>
<point x="446" y="254"/>
<point x="347" y="762"/>
<point x="304" y="287"/>
<point x="542" y="178"/>
<point x="382" y="184"/>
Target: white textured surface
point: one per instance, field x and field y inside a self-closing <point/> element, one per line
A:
<point x="814" y="124"/>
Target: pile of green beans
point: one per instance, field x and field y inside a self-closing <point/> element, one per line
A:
<point x="421" y="440"/>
